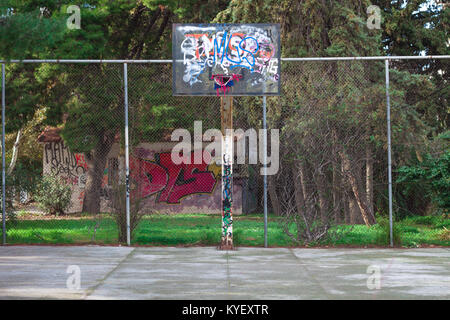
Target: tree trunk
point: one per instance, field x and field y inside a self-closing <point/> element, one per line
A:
<point x="15" y="153"/>
<point x="336" y="194"/>
<point x="302" y="173"/>
<point x="323" y="201"/>
<point x="299" y="198"/>
<point x="355" y="213"/>
<point x="367" y="215"/>
<point x="300" y="203"/>
<point x="346" y="201"/>
<point x="273" y="196"/>
<point x="307" y="214"/>
<point x="369" y="178"/>
<point x="97" y="163"/>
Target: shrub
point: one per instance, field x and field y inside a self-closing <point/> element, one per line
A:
<point x="444" y="234"/>
<point x="25" y="177"/>
<point x="237" y="237"/>
<point x="53" y="194"/>
<point x="210" y="237"/>
<point x="434" y="221"/>
<point x="443" y="222"/>
<point x="383" y="235"/>
<point x="21" y="179"/>
<point x="431" y="177"/>
<point x="424" y="220"/>
<point x="410" y="229"/>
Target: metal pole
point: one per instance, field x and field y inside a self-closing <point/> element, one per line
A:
<point x="3" y="158"/>
<point x="265" y="168"/>
<point x="389" y="151"/>
<point x="226" y="111"/>
<point x="367" y="58"/>
<point x="127" y="156"/>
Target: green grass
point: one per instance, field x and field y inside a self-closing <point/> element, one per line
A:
<point x="57" y="231"/>
<point x="202" y="229"/>
<point x="206" y="230"/>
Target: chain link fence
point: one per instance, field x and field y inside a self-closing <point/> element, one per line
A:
<point x="331" y="186"/>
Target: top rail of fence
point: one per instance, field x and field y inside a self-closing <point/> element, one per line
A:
<point x="282" y="59"/>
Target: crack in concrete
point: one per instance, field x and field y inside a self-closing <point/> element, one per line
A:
<point x="91" y="290"/>
<point x="310" y="275"/>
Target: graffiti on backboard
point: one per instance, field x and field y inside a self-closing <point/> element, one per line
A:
<point x="249" y="50"/>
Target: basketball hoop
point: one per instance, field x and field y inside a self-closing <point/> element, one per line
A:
<point x="224" y="82"/>
<point x="241" y="60"/>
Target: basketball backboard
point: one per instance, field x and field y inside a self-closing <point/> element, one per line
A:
<point x="232" y="59"/>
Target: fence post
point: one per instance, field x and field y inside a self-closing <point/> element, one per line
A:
<point x="3" y="157"/>
<point x="127" y="159"/>
<point x="388" y="116"/>
<point x="265" y="168"/>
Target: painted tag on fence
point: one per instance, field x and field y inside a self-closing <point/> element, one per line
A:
<point x="234" y="59"/>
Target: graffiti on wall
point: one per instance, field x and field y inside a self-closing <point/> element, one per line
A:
<point x="154" y="175"/>
<point x="168" y="181"/>
<point x="252" y="51"/>
<point x="71" y="167"/>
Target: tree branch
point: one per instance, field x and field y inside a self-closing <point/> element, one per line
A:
<point x="15" y="154"/>
<point x="132" y="26"/>
<point x="136" y="51"/>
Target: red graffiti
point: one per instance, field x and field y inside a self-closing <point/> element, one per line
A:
<point x="171" y="181"/>
<point x="149" y="176"/>
<point x="197" y="36"/>
<point x="81" y="197"/>
<point x="81" y="161"/>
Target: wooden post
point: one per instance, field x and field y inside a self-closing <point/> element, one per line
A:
<point x="226" y="113"/>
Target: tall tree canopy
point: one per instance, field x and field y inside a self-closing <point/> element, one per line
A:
<point x="421" y="27"/>
<point x="338" y="28"/>
<point x="90" y="97"/>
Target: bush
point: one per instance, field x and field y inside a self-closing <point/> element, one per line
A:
<point x="444" y="234"/>
<point x="410" y="229"/>
<point x="237" y="237"/>
<point x="443" y="222"/>
<point x="383" y="235"/>
<point x="53" y="194"/>
<point x="431" y="177"/>
<point x="25" y="177"/>
<point x="433" y="221"/>
<point x="210" y="237"/>
<point x="22" y="179"/>
<point x="424" y="220"/>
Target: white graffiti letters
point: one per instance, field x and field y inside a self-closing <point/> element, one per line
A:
<point x="228" y="50"/>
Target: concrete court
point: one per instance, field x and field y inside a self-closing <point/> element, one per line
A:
<point x="39" y="272"/>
